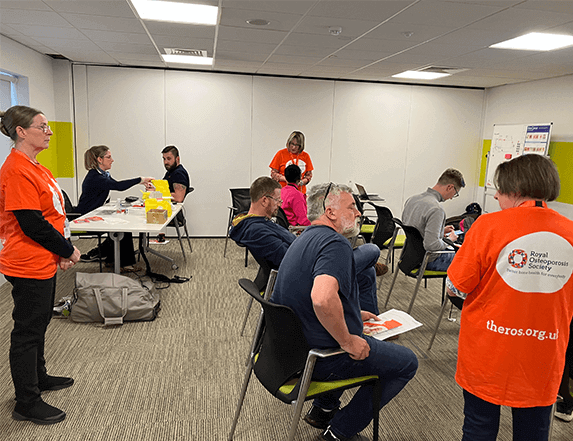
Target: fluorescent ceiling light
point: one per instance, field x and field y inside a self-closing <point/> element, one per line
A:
<point x="536" y="41"/>
<point x="176" y="12"/>
<point x="188" y="59"/>
<point x="417" y="75"/>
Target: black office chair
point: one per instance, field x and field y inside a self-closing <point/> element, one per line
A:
<point x="241" y="203"/>
<point x="413" y="261"/>
<point x="181" y="221"/>
<point x="385" y="234"/>
<point x="283" y="362"/>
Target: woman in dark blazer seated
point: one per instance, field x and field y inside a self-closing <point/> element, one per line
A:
<point x="95" y="191"/>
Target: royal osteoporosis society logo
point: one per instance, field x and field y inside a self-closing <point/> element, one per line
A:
<point x="537" y="262"/>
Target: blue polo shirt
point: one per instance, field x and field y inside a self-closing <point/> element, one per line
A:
<point x="318" y="250"/>
<point x="178" y="176"/>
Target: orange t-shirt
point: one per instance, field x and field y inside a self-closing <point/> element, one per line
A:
<point x="515" y="266"/>
<point x="25" y="185"/>
<point x="284" y="158"/>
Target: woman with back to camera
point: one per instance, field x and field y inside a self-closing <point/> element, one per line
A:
<point x="33" y="229"/>
<point x="293" y="154"/>
<point x="515" y="270"/>
<point x="95" y="191"/>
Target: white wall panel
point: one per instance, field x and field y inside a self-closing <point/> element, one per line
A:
<point x="283" y="105"/>
<point x="370" y="138"/>
<point x="208" y="118"/>
<point x="126" y="109"/>
<point x="444" y="132"/>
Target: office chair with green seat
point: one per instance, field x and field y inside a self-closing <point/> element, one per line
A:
<point x="283" y="362"/>
<point x="413" y="261"/>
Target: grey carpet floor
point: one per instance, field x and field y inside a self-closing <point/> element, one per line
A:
<point x="178" y="377"/>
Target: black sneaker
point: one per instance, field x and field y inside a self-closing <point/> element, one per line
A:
<point x="320" y="418"/>
<point x="91" y="256"/>
<point x="564" y="411"/>
<point x="327" y="435"/>
<point x="38" y="413"/>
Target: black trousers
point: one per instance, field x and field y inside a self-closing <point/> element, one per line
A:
<point x="33" y="304"/>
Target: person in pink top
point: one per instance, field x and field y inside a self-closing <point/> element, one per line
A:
<point x="294" y="202"/>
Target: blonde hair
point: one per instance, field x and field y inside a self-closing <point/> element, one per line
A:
<point x="298" y="136"/>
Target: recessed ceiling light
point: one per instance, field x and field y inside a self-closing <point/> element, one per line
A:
<point x="258" y="22"/>
<point x="176" y="12"/>
<point x="536" y="41"/>
<point x="188" y="59"/>
<point x="417" y="75"/>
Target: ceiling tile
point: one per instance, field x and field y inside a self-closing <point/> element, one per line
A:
<point x="102" y="23"/>
<point x="359" y="9"/>
<point x="120" y="37"/>
<point x="283" y="6"/>
<point x="250" y="48"/>
<point x="113" y="8"/>
<point x="278" y="21"/>
<point x="250" y="35"/>
<point x="32" y="18"/>
<point x="51" y="32"/>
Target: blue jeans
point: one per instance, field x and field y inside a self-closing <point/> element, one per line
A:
<point x="481" y="421"/>
<point x="442" y="263"/>
<point x="394" y="364"/>
<point x="365" y="256"/>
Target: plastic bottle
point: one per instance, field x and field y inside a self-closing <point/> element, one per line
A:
<point x="118" y="208"/>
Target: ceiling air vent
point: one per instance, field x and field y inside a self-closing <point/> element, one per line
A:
<point x="194" y="52"/>
<point x="443" y="70"/>
<point x="58" y="57"/>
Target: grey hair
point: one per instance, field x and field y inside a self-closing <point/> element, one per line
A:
<point x="315" y="198"/>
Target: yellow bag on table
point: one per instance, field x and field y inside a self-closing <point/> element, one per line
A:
<point x="162" y="186"/>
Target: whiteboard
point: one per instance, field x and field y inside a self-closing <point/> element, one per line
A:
<point x="511" y="140"/>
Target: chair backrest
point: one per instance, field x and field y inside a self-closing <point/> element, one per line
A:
<point x="241" y="199"/>
<point x="263" y="274"/>
<point x="283" y="347"/>
<point x="413" y="252"/>
<point x="282" y="219"/>
<point x="359" y="203"/>
<point x="67" y="203"/>
<point x="385" y="226"/>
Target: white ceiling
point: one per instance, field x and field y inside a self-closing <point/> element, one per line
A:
<point x="373" y="44"/>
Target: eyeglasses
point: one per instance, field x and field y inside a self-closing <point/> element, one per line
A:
<point x="106" y="157"/>
<point x="326" y="195"/>
<point x="457" y="192"/>
<point x="294" y="145"/>
<point x="278" y="201"/>
<point x="44" y="128"/>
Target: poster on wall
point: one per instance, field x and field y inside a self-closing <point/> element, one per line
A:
<point x="512" y="140"/>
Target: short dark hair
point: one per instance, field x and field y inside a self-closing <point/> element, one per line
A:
<point x="531" y="176"/>
<point x="171" y="149"/>
<point x="452" y="176"/>
<point x="292" y="173"/>
<point x="263" y="186"/>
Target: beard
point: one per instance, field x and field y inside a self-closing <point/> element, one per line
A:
<point x="170" y="169"/>
<point x="350" y="228"/>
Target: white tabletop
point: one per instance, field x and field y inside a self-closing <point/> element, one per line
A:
<point x="132" y="222"/>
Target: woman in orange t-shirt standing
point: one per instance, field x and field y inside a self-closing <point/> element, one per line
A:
<point x="293" y="154"/>
<point x="515" y="268"/>
<point x="33" y="229"/>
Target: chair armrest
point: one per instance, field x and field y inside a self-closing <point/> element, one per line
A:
<point x="323" y="353"/>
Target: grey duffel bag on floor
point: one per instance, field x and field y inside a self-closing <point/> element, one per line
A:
<point x="112" y="299"/>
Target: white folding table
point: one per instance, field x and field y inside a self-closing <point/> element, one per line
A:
<point x="116" y="224"/>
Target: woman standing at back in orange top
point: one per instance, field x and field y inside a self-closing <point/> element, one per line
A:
<point x="293" y="154"/>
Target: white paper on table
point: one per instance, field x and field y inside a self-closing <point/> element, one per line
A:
<point x="406" y="323"/>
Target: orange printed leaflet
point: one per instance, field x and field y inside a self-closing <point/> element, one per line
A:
<point x="373" y="328"/>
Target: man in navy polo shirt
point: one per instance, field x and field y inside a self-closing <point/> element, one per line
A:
<point x="317" y="279"/>
<point x="176" y="174"/>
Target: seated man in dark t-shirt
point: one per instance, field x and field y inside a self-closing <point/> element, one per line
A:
<point x="176" y="175"/>
<point x="317" y="279"/>
<point x="265" y="239"/>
